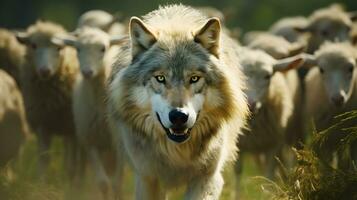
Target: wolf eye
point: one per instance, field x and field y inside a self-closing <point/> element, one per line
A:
<point x="194" y="79"/>
<point x="160" y="78"/>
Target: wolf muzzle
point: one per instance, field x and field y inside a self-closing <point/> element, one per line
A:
<point x="178" y="132"/>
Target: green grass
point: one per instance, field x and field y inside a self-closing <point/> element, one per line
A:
<point x="325" y="167"/>
<point x="19" y="180"/>
<point x="311" y="178"/>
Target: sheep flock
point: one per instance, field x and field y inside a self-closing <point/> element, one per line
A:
<point x="300" y="81"/>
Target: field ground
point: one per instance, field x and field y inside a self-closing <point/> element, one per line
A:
<point x="19" y="180"/>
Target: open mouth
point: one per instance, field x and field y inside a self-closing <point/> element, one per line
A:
<point x="178" y="135"/>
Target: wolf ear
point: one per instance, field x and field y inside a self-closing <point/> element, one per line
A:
<point x="140" y="35"/>
<point x="209" y="36"/>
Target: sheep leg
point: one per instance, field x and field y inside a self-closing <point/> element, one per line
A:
<point x="44" y="142"/>
<point x="101" y="175"/>
<point x="354" y="155"/>
<point x="148" y="188"/>
<point x="271" y="163"/>
<point x="238" y="169"/>
<point x="118" y="177"/>
<point x="82" y="161"/>
<point x="259" y="160"/>
<point x="348" y="164"/>
<point x="205" y="188"/>
<point x="71" y="156"/>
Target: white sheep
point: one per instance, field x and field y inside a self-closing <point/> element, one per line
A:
<point x="249" y="36"/>
<point x="271" y="103"/>
<point x="47" y="81"/>
<point x="278" y="48"/>
<point x="102" y="20"/>
<point x="353" y="34"/>
<point x="96" y="18"/>
<point x="286" y="27"/>
<point x="13" y="125"/>
<point x="331" y="86"/>
<point x="212" y="12"/>
<point x="327" y="24"/>
<point x="12" y="54"/>
<point x="96" y="52"/>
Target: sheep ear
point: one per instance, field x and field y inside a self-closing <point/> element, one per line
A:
<point x="353" y="15"/>
<point x="22" y="37"/>
<point x="118" y="40"/>
<point x="142" y="38"/>
<point x="309" y="60"/>
<point x="287" y="64"/>
<point x="75" y="33"/>
<point x="250" y="36"/>
<point x="303" y="29"/>
<point x="354" y="39"/>
<point x="296" y="48"/>
<point x="67" y="40"/>
<point x="209" y="36"/>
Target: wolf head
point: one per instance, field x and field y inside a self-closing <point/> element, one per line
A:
<point x="178" y="74"/>
<point x="175" y="83"/>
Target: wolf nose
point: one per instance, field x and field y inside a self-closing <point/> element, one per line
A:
<point x="178" y="117"/>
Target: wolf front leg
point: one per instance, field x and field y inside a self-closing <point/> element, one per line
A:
<point x="205" y="188"/>
<point x="148" y="188"/>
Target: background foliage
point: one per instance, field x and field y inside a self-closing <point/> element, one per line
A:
<point x="247" y="14"/>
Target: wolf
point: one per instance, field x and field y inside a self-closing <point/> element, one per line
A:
<point x="176" y="103"/>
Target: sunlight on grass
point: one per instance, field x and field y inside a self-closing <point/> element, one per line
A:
<point x="19" y="180"/>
